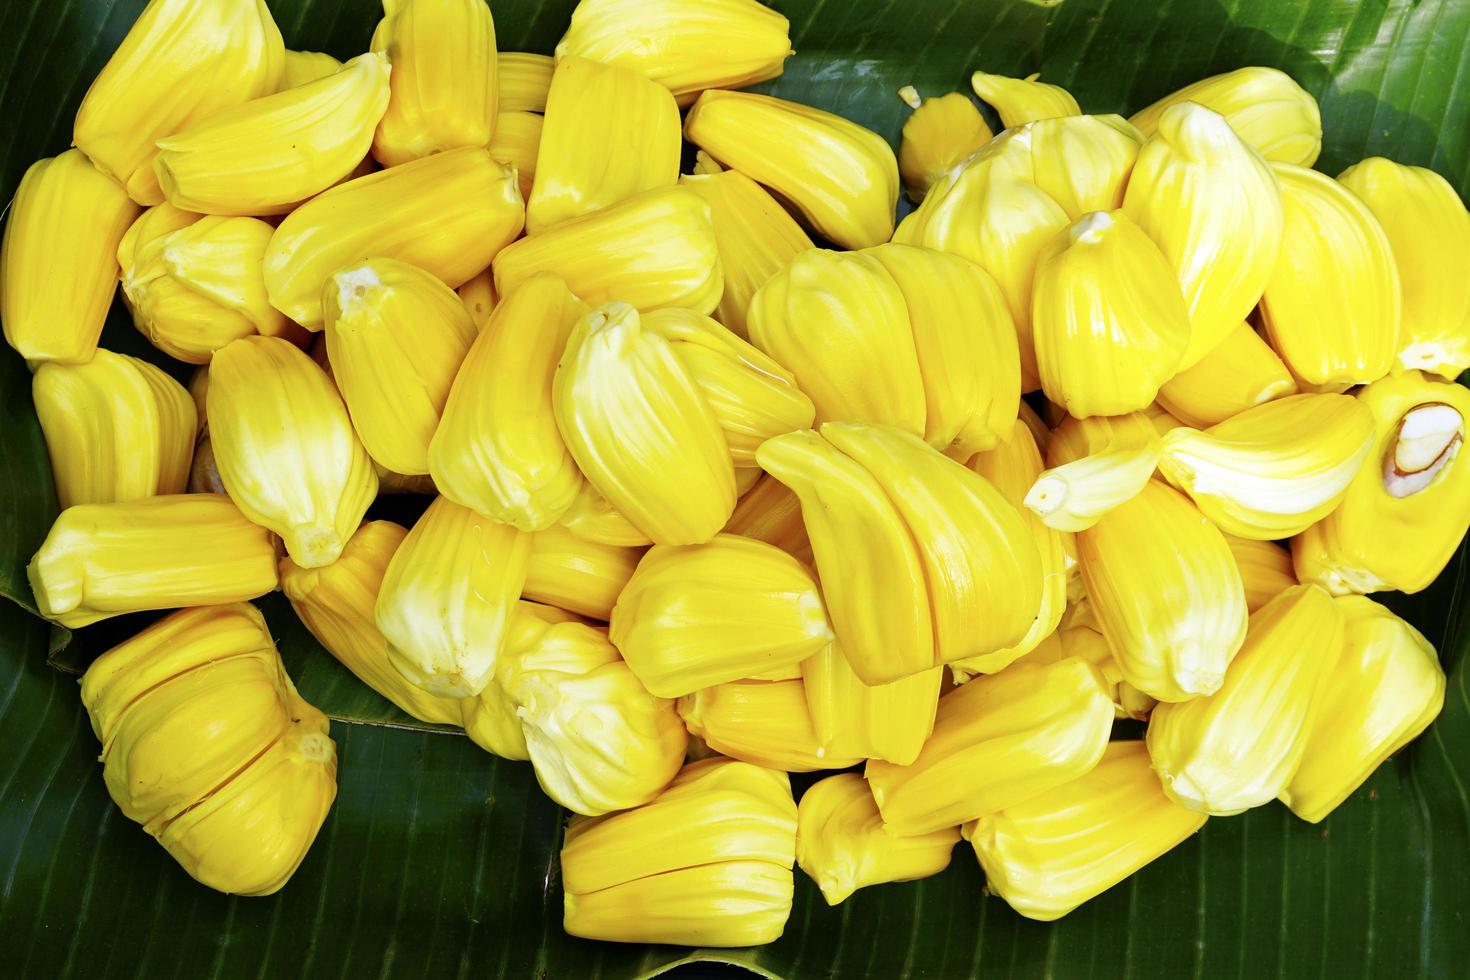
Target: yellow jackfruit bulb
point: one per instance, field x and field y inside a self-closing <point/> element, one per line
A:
<point x="755" y="237"/>
<point x="1239" y="747"/>
<point x="445" y="80"/>
<point x="525" y="80"/>
<point x="269" y="155"/>
<point x="448" y="214"/>
<point x="1335" y="267"/>
<point x="877" y="599"/>
<point x="883" y="721"/>
<point x="592" y="518"/>
<point x="1083" y="162"/>
<point x="497" y="449"/>
<point x="597" y="739"/>
<point x="336" y="602"/>
<point x="706" y="863"/>
<point x="1242" y="371"/>
<point x="842" y="845"/>
<point x="695" y="616"/>
<point x="1166" y="592"/>
<point x="103" y="560"/>
<point x="1385" y="689"/>
<point x="966" y="345"/>
<point x="770" y="512"/>
<point x="58" y="258"/>
<point x="1428" y="229"/>
<point x="752" y="396"/>
<point x="1076" y="495"/>
<point x="396" y="337"/>
<point x="1265" y="107"/>
<point x="303" y="67"/>
<point x="765" y="722"/>
<point x="1085" y="643"/>
<point x="479" y="297"/>
<point x="1022" y="100"/>
<point x="448" y="596"/>
<point x="1407" y="508"/>
<point x="1107" y="317"/>
<point x="1274" y="470"/>
<point x="202" y="733"/>
<point x="862" y="363"/>
<point x="1213" y="206"/>
<point x="654" y="249"/>
<point x="1265" y="569"/>
<point x="841" y="177"/>
<point x="998" y="740"/>
<point x="579" y="576"/>
<point x="1050" y="854"/>
<point x="195" y="283"/>
<point x="990" y="211"/>
<point x="937" y="137"/>
<point x="181" y="61"/>
<point x="285" y="447"/>
<point x="515" y="145"/>
<point x="641" y="430"/>
<point x="609" y="133"/>
<point x="116" y="429"/>
<point x="685" y="45"/>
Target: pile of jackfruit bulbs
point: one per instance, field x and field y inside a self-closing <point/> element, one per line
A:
<point x="732" y="478"/>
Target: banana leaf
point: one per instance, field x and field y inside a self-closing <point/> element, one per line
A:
<point x="439" y="860"/>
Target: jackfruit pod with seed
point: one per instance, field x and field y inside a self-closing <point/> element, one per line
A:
<point x="639" y="428"/>
<point x="194" y="283"/>
<point x="609" y="134"/>
<point x="448" y="214"/>
<point x="882" y="721"/>
<point x="497" y="449"/>
<point x="396" y="337"/>
<point x="1213" y="207"/>
<point x="1012" y="467"/>
<point x="579" y="576"/>
<point x="685" y="45"/>
<point x="1242" y="371"/>
<point x="696" y="616"/>
<point x="938" y="136"/>
<point x="117" y="428"/>
<point x="966" y="345"/>
<point x="1107" y="318"/>
<point x="765" y="722"/>
<point x="592" y="518"/>
<point x="998" y="740"/>
<point x="1274" y="470"/>
<point x="1056" y="851"/>
<point x="655" y="249"/>
<point x="1408" y="506"/>
<point x="525" y="79"/>
<point x="842" y="845"/>
<point x="201" y="733"/>
<point x="448" y="596"/>
<point x="1265" y="569"/>
<point x="516" y="144"/>
<point x="103" y="560"/>
<point x="754" y="236"/>
<point x="1385" y="689"/>
<point x="1239" y="747"/>
<point x="58" y="258"/>
<point x="1265" y="106"/>
<point x="180" y="62"/>
<point x="1022" y="100"/>
<point x="1166" y="592"/>
<point x="1428" y="230"/>
<point x="1083" y="162"/>
<point x="267" y="156"/>
<point x="302" y="67"/>
<point x="446" y="82"/>
<point x="841" y="177"/>
<point x="335" y="603"/>
<point x="1335" y="268"/>
<point x="752" y="396"/>
<point x="597" y="739"/>
<point x="285" y="448"/>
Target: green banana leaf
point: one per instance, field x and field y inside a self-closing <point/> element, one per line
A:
<point x="439" y="860"/>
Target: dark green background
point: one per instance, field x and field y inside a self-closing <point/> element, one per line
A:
<point x="439" y="860"/>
